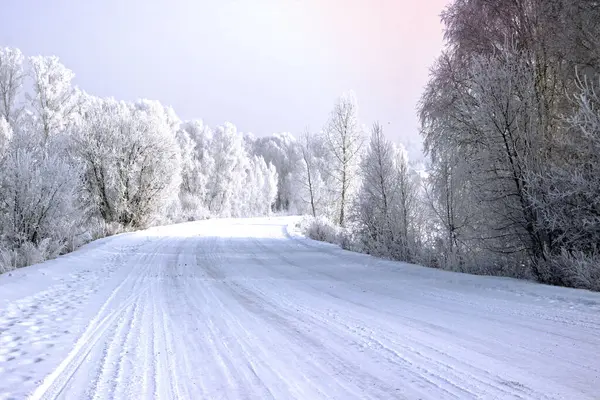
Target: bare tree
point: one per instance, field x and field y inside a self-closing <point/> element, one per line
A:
<point x="308" y="180"/>
<point x="404" y="205"/>
<point x="344" y="140"/>
<point x="376" y="193"/>
<point x="448" y="195"/>
<point x="386" y="199"/>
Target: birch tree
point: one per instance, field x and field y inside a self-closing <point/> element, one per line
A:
<point x="377" y="193"/>
<point x="305" y="179"/>
<point x="344" y="140"/>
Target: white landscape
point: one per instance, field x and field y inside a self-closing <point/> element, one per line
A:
<point x="242" y="308"/>
<point x="407" y="206"/>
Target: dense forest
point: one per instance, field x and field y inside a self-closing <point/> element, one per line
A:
<point x="510" y="121"/>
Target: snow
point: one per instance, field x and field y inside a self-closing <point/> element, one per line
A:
<point x="244" y="309"/>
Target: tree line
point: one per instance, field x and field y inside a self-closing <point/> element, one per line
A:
<point x="75" y="167"/>
<point x="510" y="121"/>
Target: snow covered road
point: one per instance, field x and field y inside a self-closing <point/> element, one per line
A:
<point x="239" y="309"/>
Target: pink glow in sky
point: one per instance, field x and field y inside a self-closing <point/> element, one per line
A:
<point x="265" y="65"/>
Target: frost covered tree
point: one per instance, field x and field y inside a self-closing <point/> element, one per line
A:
<point x="343" y="140"/>
<point x="227" y="173"/>
<point x="74" y="167"/>
<point x="39" y="213"/>
<point x="224" y="178"/>
<point x="259" y="190"/>
<point x="498" y="119"/>
<point x="570" y="209"/>
<point x="6" y="134"/>
<point x="311" y="182"/>
<point x="403" y="208"/>
<point x="385" y="201"/>
<point x="130" y="158"/>
<point x="11" y="82"/>
<point x="54" y="98"/>
<point x="447" y="194"/>
<point x="377" y="193"/>
<point x="196" y="163"/>
<point x="281" y="150"/>
<point x="505" y="126"/>
<point x="307" y="178"/>
<point x="38" y="196"/>
<point x="487" y="116"/>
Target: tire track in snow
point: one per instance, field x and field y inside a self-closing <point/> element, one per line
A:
<point x="121" y="362"/>
<point x="214" y="337"/>
<point x="501" y="387"/>
<point x="431" y="375"/>
<point x="108" y="378"/>
<point x="295" y="330"/>
<point x="233" y="350"/>
<point x="340" y="362"/>
<point x="163" y="374"/>
<point x="192" y="316"/>
<point x="229" y="338"/>
<point x="460" y="340"/>
<point x="130" y="351"/>
<point x="99" y="327"/>
<point x="144" y="374"/>
<point x="56" y="382"/>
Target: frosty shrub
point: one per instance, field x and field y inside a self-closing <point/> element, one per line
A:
<point x="575" y="269"/>
<point x="321" y="229"/>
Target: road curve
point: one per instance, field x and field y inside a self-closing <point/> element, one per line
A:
<point x="239" y="309"/>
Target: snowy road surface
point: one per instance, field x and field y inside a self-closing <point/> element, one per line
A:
<point x="239" y="309"/>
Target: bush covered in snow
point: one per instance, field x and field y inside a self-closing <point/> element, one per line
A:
<point x="320" y="229"/>
<point x="323" y="230"/>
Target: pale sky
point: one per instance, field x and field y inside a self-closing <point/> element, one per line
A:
<point x="265" y="65"/>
